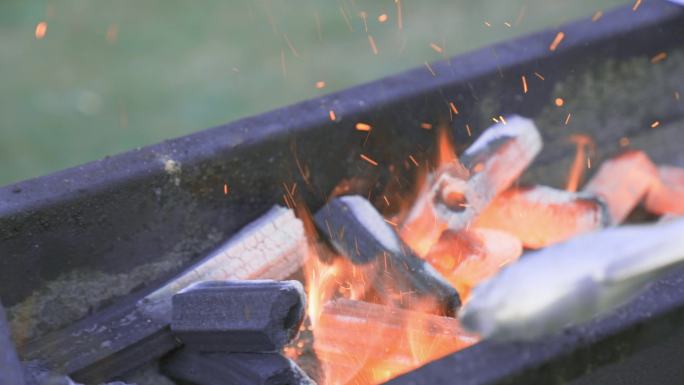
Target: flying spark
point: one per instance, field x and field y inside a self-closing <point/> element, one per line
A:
<point x="41" y="30"/>
<point x="597" y="16"/>
<point x="369" y="160"/>
<point x="655" y="124"/>
<point x="453" y="108"/>
<point x="524" y="84"/>
<point x="364" y="17"/>
<point x="346" y="19"/>
<point x="436" y="48"/>
<point x="659" y="57"/>
<point x="426" y="126"/>
<point x="430" y="69"/>
<point x="567" y="119"/>
<point x="636" y="5"/>
<point x="225" y="189"/>
<point x="363" y="127"/>
<point x="292" y="47"/>
<point x="332" y="116"/>
<point x="112" y="33"/>
<point x="537" y="74"/>
<point x="372" y="44"/>
<point x="413" y="160"/>
<point x="556" y="41"/>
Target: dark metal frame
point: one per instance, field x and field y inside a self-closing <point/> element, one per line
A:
<point x="164" y="201"/>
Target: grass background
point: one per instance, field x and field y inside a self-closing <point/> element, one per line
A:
<point x="114" y="75"/>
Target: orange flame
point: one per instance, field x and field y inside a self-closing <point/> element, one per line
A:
<point x="577" y="169"/>
<point x="363" y="343"/>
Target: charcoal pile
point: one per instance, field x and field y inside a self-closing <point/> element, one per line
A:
<point x="234" y="331"/>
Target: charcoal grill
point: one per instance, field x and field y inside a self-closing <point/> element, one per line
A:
<point x="121" y="224"/>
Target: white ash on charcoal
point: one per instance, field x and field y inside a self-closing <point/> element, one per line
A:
<point x="11" y="371"/>
<point x="238" y="316"/>
<point x="666" y="196"/>
<point x="127" y="335"/>
<point x="622" y="182"/>
<point x="234" y="368"/>
<point x="571" y="282"/>
<point x="458" y="191"/>
<point x="357" y="230"/>
<point x="540" y="216"/>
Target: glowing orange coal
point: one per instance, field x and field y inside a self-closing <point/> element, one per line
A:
<point x="359" y="340"/>
<point x="468" y="257"/>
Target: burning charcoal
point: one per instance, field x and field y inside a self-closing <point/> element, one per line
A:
<point x="540" y="216"/>
<point x="357" y="230"/>
<point x="238" y="316"/>
<point x="470" y="256"/>
<point x="234" y="368"/>
<point x="356" y="340"/>
<point x="622" y="182"/>
<point x="11" y="371"/>
<point x="667" y="195"/>
<point x="572" y="282"/>
<point x="458" y="192"/>
<point x="127" y="335"/>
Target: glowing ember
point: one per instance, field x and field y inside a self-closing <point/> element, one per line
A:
<point x="41" y="30"/>
<point x="666" y="196"/>
<point x="359" y="335"/>
<point x="597" y="16"/>
<point x="556" y="41"/>
<point x="372" y="44"/>
<point x="112" y="33"/>
<point x="369" y="160"/>
<point x="659" y="57"/>
<point x="453" y="108"/>
<point x="320" y="84"/>
<point x="622" y="182"/>
<point x="559" y="102"/>
<point x="540" y="216"/>
<point x="430" y="69"/>
<point x="436" y="48"/>
<point x="468" y="257"/>
<point x="363" y="126"/>
<point x="577" y="170"/>
<point x="383" y="18"/>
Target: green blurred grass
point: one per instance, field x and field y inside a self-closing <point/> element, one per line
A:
<point x="172" y="67"/>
